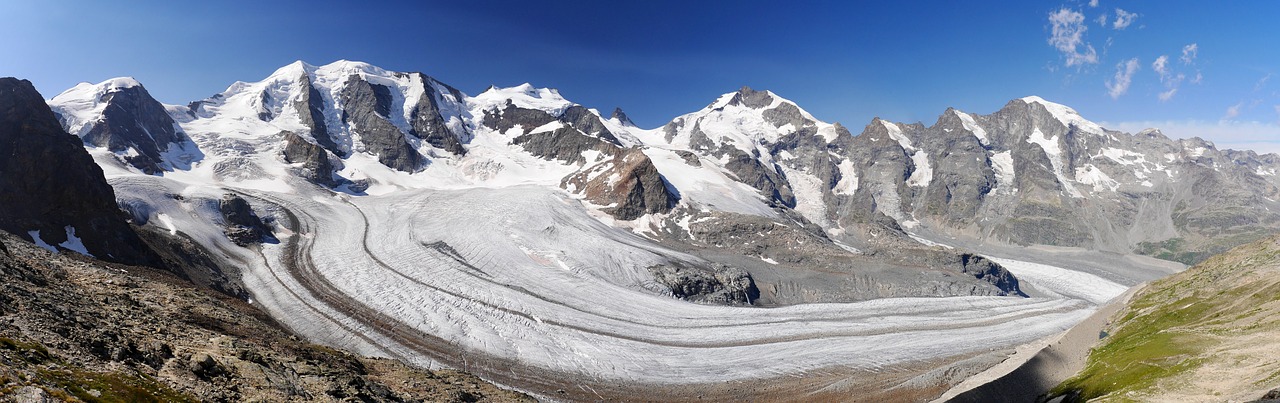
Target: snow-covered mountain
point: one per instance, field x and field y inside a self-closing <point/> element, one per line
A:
<point x="120" y="116"/>
<point x="517" y="226"/>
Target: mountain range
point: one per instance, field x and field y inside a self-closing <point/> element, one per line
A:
<point x="545" y="246"/>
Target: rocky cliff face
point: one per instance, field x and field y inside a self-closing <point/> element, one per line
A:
<point x="367" y="110"/>
<point x="121" y="116"/>
<point x="628" y="185"/>
<point x="314" y="161"/>
<point x="54" y="194"/>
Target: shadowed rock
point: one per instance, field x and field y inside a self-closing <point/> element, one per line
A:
<point x="367" y="107"/>
<point x="52" y="189"/>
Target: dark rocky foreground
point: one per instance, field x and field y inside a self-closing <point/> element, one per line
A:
<point x="78" y="329"/>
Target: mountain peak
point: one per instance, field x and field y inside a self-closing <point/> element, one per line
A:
<point x="750" y="98"/>
<point x="121" y="82"/>
<point x="523" y="96"/>
<point x="1064" y="114"/>
<point x="621" y="117"/>
<point x="293" y="70"/>
<point x="342" y="68"/>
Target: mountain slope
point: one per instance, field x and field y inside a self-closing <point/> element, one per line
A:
<point x="120" y="116"/>
<point x="54" y="194"/>
<point x="78" y="329"/>
<point x="1206" y="334"/>
<point x="1036" y="172"/>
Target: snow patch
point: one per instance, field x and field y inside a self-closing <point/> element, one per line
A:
<point x="848" y="183"/>
<point x="923" y="174"/>
<point x="1091" y="175"/>
<point x="972" y="126"/>
<point x="1066" y="115"/>
<point x="1002" y="164"/>
<point x="1054" y="151"/>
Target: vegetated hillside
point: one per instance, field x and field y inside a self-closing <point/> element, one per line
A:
<point x="77" y="329"/>
<point x="1207" y="334"/>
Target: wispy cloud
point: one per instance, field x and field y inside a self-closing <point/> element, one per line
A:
<point x="1119" y="85"/>
<point x="1168" y="78"/>
<point x="1067" y="35"/>
<point x="1124" y="19"/>
<point x="1101" y="20"/>
<point x="1233" y="111"/>
<point x="1189" y="53"/>
<point x="1093" y="3"/>
<point x="1161" y="66"/>
<point x="1262" y="82"/>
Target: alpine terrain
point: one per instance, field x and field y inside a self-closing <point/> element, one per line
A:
<point x="746" y="250"/>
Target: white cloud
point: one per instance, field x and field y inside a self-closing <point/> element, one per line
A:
<point x="1119" y="84"/>
<point x="1102" y="20"/>
<point x="1123" y="19"/>
<point x="1093" y="3"/>
<point x="1261" y="82"/>
<point x="1233" y="111"/>
<point x="1161" y="67"/>
<point x="1257" y="136"/>
<point x="1170" y="80"/>
<point x="1067" y="35"/>
<point x="1199" y="77"/>
<point x="1189" y="53"/>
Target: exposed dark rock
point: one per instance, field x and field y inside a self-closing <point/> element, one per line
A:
<point x="769" y="180"/>
<point x="629" y="182"/>
<point x="315" y="161"/>
<point x="427" y="121"/>
<point x="367" y="107"/>
<point x="621" y="117"/>
<point x="722" y="285"/>
<point x="242" y="226"/>
<point x="565" y="144"/>
<point x="310" y="107"/>
<point x="52" y="187"/>
<point x="582" y="119"/>
<point x="512" y="115"/>
<point x="133" y="119"/>
<point x="751" y="98"/>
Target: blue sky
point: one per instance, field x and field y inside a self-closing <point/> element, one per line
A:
<point x="842" y="61"/>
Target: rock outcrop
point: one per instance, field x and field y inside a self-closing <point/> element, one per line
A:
<point x="53" y="191"/>
<point x="719" y="285"/>
<point x="310" y="108"/>
<point x="367" y="108"/>
<point x="627" y="184"/>
<point x="315" y="163"/>
<point x="242" y="226"/>
<point x="428" y="123"/>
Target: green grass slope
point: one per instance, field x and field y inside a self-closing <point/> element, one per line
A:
<point x="1210" y="333"/>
